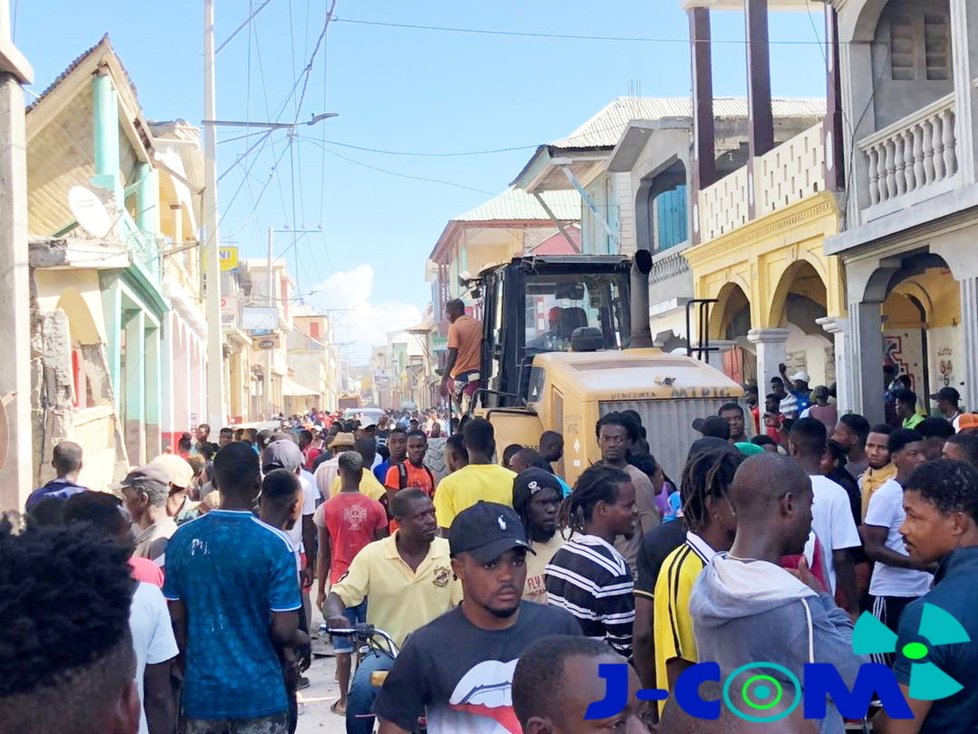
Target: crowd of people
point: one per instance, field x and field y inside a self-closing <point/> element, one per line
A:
<point x="183" y="597"/>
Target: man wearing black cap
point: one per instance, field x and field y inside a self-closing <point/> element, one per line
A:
<point x="470" y="689"/>
<point x="536" y="498"/>
<point x="713" y="426"/>
<point x="947" y="402"/>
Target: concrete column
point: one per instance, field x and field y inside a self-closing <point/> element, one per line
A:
<point x="105" y="118"/>
<point x="148" y="200"/>
<point x="867" y="360"/>
<point x="704" y="171"/>
<point x="15" y="375"/>
<point x="839" y="329"/>
<point x="761" y="133"/>
<point x="112" y="314"/>
<point x="135" y="377"/>
<point x="833" y="132"/>
<point x="772" y="349"/>
<point x="964" y="20"/>
<point x="166" y="377"/>
<point x="154" y="392"/>
<point x="969" y="325"/>
<point x="190" y="359"/>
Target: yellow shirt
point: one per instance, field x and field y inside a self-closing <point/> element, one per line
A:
<point x="368" y="486"/>
<point x="535" y="588"/>
<point x="401" y="600"/>
<point x="873" y="479"/>
<point x="673" y="628"/>
<point x="464" y="488"/>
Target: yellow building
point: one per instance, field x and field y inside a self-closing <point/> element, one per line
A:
<point x="768" y="292"/>
<point x="777" y="295"/>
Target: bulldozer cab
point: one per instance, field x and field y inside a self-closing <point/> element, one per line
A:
<point x="536" y="305"/>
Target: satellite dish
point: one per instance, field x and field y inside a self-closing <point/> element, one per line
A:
<point x="89" y="211"/>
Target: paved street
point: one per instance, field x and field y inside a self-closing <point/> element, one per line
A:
<point x="314" y="702"/>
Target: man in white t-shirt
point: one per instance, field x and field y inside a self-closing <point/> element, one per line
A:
<point x="897" y="580"/>
<point x="832" y="520"/>
<point x="156" y="649"/>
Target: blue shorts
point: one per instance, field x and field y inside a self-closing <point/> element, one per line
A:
<point x="354" y="615"/>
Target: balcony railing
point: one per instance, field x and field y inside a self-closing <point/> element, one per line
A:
<point x="913" y="158"/>
<point x="789" y="173"/>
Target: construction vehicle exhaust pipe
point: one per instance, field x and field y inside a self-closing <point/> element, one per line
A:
<point x="641" y="330"/>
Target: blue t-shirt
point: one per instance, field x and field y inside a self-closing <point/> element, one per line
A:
<point x="380" y="471"/>
<point x="56" y="489"/>
<point x="956" y="593"/>
<point x="231" y="571"/>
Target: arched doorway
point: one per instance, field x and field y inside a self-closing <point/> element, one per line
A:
<point x="922" y="334"/>
<point x="87" y="372"/>
<point x="730" y="320"/>
<point x="800" y="300"/>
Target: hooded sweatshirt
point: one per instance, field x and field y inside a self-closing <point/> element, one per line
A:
<point x="747" y="611"/>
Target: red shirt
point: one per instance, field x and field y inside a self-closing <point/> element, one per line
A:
<point x="352" y="520"/>
<point x="143" y="569"/>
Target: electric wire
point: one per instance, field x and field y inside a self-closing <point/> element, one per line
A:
<point x="558" y="36"/>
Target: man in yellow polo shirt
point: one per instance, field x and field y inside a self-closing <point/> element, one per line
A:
<point x="408" y="580"/>
<point x="479" y="480"/>
<point x="712" y="527"/>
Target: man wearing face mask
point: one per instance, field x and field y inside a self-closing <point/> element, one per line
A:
<point x="469" y="691"/>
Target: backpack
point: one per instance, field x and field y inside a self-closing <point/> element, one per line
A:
<point x="402" y="476"/>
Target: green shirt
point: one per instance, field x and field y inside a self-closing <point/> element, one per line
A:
<point x="913" y="421"/>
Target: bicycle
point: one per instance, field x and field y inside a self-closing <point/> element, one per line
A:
<point x="374" y="640"/>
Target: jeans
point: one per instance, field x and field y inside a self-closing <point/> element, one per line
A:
<point x="354" y="615"/>
<point x="360" y="702"/>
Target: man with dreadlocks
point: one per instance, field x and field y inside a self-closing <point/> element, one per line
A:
<point x="588" y="577"/>
<point x="617" y="435"/>
<point x="711" y="527"/>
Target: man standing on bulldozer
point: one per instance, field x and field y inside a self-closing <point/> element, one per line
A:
<point x="462" y="377"/>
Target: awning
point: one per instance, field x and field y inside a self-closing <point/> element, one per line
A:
<point x="292" y="389"/>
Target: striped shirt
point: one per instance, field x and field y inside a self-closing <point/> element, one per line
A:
<point x="591" y="580"/>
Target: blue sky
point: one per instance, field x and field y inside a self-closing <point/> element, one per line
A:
<point x="396" y="89"/>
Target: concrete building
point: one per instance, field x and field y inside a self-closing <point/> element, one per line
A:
<point x="652" y="161"/>
<point x="242" y="376"/>
<point x="769" y="293"/>
<point x="908" y="89"/>
<point x="268" y="322"/>
<point x="179" y="157"/>
<point x="96" y="257"/>
<point x="507" y="226"/>
<point x="313" y="380"/>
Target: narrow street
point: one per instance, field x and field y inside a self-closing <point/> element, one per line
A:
<point x="314" y="702"/>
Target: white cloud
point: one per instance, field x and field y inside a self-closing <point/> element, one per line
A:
<point x="358" y="322"/>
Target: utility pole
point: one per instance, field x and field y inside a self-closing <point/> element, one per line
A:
<point x="16" y="430"/>
<point x="268" y="352"/>
<point x="216" y="413"/>
<point x="272" y="300"/>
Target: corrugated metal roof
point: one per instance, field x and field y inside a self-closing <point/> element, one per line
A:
<point x="606" y="127"/>
<point x="516" y="204"/>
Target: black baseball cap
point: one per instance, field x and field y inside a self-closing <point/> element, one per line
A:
<point x="947" y="393"/>
<point x="712" y="425"/>
<point x="532" y="480"/>
<point x="486" y="531"/>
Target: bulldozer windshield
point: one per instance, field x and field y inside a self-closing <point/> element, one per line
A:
<point x="556" y="305"/>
